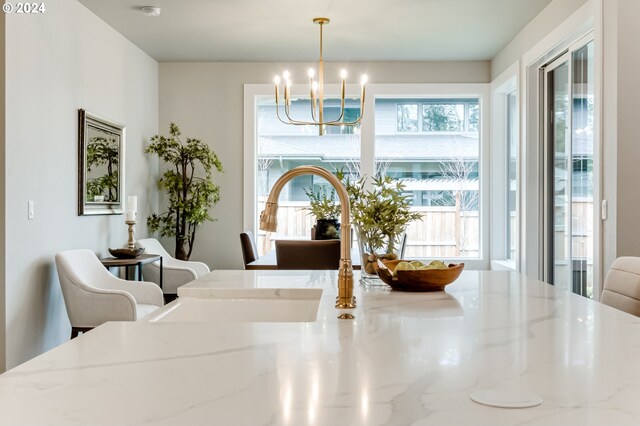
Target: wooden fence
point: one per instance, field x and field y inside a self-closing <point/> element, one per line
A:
<point x="441" y="233"/>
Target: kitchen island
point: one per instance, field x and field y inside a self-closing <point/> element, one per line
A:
<point x="406" y="359"/>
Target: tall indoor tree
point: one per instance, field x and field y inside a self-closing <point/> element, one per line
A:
<point x="189" y="185"/>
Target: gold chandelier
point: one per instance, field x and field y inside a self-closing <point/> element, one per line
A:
<point x="316" y="91"/>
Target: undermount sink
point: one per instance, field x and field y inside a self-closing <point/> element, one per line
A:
<point x="286" y="305"/>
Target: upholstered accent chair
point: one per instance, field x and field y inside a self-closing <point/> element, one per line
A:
<point x="175" y="272"/>
<point x="249" y="248"/>
<point x="622" y="285"/>
<point x="308" y="254"/>
<point x="94" y="296"/>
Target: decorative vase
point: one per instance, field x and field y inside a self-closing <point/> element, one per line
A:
<point x="373" y="246"/>
<point x="327" y="229"/>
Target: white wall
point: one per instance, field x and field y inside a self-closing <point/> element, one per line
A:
<point x="546" y="21"/>
<point x="2" y="190"/>
<point x="56" y="63"/>
<point x="621" y="153"/>
<point x="206" y="100"/>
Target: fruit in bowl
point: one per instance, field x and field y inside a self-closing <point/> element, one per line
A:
<point x="414" y="275"/>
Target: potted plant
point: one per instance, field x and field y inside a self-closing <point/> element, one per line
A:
<point x="324" y="207"/>
<point x="189" y="185"/>
<point x="380" y="216"/>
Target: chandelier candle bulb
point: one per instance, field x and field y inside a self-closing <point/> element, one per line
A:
<point x="276" y="83"/>
<point x="363" y="82"/>
<point x="311" y="89"/>
<point x="317" y="96"/>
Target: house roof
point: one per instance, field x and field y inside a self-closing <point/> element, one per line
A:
<point x="419" y="147"/>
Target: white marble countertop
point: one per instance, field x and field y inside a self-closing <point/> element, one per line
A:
<point x="407" y="359"/>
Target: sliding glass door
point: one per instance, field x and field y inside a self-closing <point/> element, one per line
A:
<point x="569" y="206"/>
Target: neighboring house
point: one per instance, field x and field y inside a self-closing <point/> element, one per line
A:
<point x="435" y="154"/>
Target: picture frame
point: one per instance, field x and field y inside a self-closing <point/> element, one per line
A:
<point x="101" y="161"/>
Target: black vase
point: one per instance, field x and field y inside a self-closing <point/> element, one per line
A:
<point x="327" y="229"/>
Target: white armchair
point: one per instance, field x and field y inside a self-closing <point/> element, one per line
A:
<point x="94" y="296"/>
<point x="175" y="272"/>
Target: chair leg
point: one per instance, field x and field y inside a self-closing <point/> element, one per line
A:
<point x="77" y="330"/>
<point x="170" y="298"/>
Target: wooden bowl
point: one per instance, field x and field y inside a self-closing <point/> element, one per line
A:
<point x="125" y="253"/>
<point x="424" y="280"/>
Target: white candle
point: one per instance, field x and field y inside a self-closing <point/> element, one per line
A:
<point x="130" y="216"/>
<point x="132" y="203"/>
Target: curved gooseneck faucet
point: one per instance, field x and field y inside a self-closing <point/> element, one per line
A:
<point x="268" y="222"/>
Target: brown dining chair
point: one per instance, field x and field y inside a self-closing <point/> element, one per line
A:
<point x="622" y="285"/>
<point x="249" y="248"/>
<point x="308" y="254"/>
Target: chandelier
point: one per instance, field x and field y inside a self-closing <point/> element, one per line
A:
<point x="316" y="91"/>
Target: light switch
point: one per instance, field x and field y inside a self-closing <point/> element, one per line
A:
<point x="31" y="210"/>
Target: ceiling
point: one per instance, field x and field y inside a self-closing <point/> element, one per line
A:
<point x="281" y="30"/>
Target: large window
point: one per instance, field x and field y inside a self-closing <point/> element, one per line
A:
<point x="431" y="143"/>
<point x="569" y="143"/>
<point x="438" y="164"/>
<point x="282" y="147"/>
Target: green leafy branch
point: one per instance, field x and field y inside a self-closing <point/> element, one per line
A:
<point x="190" y="196"/>
<point x="101" y="150"/>
<point x="382" y="213"/>
<point x="323" y="205"/>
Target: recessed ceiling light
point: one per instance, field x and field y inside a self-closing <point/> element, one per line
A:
<point x="151" y="10"/>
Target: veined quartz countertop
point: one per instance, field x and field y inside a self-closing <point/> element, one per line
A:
<point x="407" y="359"/>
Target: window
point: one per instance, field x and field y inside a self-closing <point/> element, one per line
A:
<point x="440" y="115"/>
<point x="431" y="141"/>
<point x="439" y="165"/>
<point x="512" y="182"/>
<point x="443" y="117"/>
<point x="408" y="118"/>
<point x="282" y="147"/>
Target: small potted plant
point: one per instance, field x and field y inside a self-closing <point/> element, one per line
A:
<point x="324" y="207"/>
<point x="380" y="216"/>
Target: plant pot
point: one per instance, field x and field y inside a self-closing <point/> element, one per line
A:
<point x="327" y="229"/>
<point x="372" y="249"/>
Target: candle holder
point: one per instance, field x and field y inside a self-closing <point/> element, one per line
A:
<point x="131" y="244"/>
<point x="131" y="251"/>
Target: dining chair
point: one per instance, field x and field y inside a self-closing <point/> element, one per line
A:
<point x="622" y="285"/>
<point x="308" y="254"/>
<point x="175" y="272"/>
<point x="93" y="296"/>
<point x="249" y="248"/>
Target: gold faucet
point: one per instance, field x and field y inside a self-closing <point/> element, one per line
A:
<point x="269" y="222"/>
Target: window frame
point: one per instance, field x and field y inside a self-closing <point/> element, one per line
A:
<point x="252" y="92"/>
<point x="502" y="86"/>
<point x="511" y="129"/>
